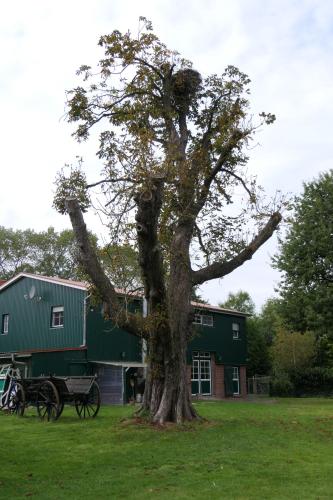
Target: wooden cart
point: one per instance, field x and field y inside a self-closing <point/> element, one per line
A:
<point x="50" y="394"/>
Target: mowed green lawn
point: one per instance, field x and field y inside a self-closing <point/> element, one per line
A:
<point x="245" y="450"/>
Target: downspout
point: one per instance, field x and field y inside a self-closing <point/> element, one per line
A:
<point x="144" y="342"/>
<point x="84" y="339"/>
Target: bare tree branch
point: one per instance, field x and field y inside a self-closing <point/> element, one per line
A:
<point x="105" y="181"/>
<point x="148" y="65"/>
<point x="201" y="243"/>
<point x="220" y="269"/>
<point x="94" y="270"/>
<point x="196" y="206"/>
<point x="230" y="172"/>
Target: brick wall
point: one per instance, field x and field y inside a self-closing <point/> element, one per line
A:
<point x="243" y="385"/>
<point x="219" y="382"/>
<point x="218" y="388"/>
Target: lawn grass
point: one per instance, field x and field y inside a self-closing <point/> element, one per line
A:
<point x="282" y="450"/>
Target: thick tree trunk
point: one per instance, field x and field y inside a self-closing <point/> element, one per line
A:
<point x="168" y="326"/>
<point x="167" y="393"/>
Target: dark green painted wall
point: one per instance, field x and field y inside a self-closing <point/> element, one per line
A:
<point x="29" y="330"/>
<point x="30" y="320"/>
<point x="59" y="363"/>
<point x="218" y="339"/>
<point x="106" y="342"/>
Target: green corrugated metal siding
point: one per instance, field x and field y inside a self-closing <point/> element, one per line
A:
<point x="107" y="342"/>
<point x="59" y="363"/>
<point x="30" y="320"/>
<point x="29" y="329"/>
<point x="218" y="339"/>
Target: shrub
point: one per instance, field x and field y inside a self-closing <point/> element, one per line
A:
<point x="315" y="381"/>
<point x="281" y="385"/>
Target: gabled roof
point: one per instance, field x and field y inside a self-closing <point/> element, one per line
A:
<point x="209" y="307"/>
<point x="81" y="285"/>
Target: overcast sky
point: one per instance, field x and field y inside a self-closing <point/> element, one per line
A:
<point x="285" y="47"/>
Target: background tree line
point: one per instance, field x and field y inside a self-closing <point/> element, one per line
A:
<point x="52" y="253"/>
<point x="291" y="338"/>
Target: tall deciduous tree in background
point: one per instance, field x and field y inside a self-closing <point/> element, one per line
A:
<point x="292" y="351"/>
<point x="306" y="261"/>
<point x="47" y="252"/>
<point x="240" y="301"/>
<point x="174" y="151"/>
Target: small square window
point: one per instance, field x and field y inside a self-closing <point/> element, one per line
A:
<point x="235" y="331"/>
<point x="57" y="317"/>
<point x="5" y="324"/>
<point x="207" y="320"/>
<point x="197" y="319"/>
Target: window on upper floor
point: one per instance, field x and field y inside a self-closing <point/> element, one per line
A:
<point x="201" y="354"/>
<point x="235" y="331"/>
<point x="207" y="320"/>
<point x="57" y="317"/>
<point x="197" y="319"/>
<point x="5" y="324"/>
<point x="203" y="319"/>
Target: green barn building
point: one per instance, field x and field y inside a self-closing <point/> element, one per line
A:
<point x="50" y="326"/>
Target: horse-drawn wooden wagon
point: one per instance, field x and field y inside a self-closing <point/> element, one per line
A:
<point x="50" y="394"/>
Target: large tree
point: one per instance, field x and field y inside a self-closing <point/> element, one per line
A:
<point x="174" y="150"/>
<point x="306" y="260"/>
<point x="240" y="301"/>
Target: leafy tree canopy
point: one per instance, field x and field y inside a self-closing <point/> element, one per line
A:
<point x="258" y="353"/>
<point x="174" y="186"/>
<point x="52" y="253"/>
<point x="306" y="260"/>
<point x="292" y="350"/>
<point x="120" y="263"/>
<point x="48" y="252"/>
<point x="240" y="301"/>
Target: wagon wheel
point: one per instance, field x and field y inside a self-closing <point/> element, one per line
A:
<point x="61" y="408"/>
<point x="87" y="406"/>
<point x="48" y="401"/>
<point x="16" y="403"/>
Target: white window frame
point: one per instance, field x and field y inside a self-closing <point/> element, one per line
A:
<point x="5" y="324"/>
<point x="201" y="371"/>
<point x="235" y="331"/>
<point x="203" y="319"/>
<point x="207" y="320"/>
<point x="56" y="316"/>
<point x="235" y="378"/>
<point x="197" y="319"/>
<point x="201" y="354"/>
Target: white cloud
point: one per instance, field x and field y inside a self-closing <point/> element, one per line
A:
<point x="285" y="46"/>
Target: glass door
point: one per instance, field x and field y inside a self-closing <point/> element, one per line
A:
<point x="201" y="373"/>
<point x="235" y="380"/>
